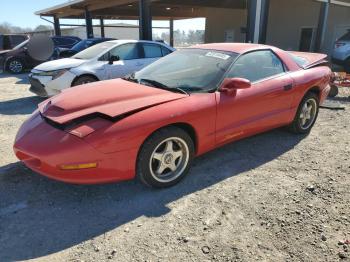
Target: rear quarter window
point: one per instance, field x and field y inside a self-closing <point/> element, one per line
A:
<point x="299" y="60"/>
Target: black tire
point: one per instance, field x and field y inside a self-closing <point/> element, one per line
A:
<point x="297" y="125"/>
<point x="346" y="65"/>
<point x="334" y="91"/>
<point x="15" y="66"/>
<point x="84" y="80"/>
<point x="146" y="162"/>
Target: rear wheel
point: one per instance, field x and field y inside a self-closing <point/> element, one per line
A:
<point x="84" y="80"/>
<point x="306" y="115"/>
<point x="15" y="66"/>
<point x="165" y="157"/>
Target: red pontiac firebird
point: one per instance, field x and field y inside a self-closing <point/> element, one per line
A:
<point x="152" y="124"/>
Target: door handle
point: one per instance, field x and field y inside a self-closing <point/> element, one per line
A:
<point x="139" y="64"/>
<point x="288" y="87"/>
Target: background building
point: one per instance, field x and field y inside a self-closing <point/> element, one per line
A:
<point x="306" y="25"/>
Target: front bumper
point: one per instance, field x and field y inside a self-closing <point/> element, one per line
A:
<point x="36" y="87"/>
<point x="46" y="86"/>
<point x="44" y="149"/>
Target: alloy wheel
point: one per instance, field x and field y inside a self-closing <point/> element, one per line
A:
<point x="15" y="66"/>
<point x="308" y="113"/>
<point x="169" y="159"/>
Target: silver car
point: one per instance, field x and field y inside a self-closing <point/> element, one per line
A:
<point x="108" y="60"/>
<point x="341" y="52"/>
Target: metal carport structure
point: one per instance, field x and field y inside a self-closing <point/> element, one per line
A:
<point x="147" y="10"/>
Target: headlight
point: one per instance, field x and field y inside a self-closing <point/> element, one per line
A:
<point x="55" y="74"/>
<point x="87" y="127"/>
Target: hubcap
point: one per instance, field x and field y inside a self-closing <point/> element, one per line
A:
<point x="15" y="66"/>
<point x="169" y="160"/>
<point x="308" y="114"/>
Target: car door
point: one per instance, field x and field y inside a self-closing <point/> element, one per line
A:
<point x="130" y="60"/>
<point x="151" y="52"/>
<point x="264" y="105"/>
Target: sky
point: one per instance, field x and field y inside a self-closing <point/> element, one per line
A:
<point x="21" y="13"/>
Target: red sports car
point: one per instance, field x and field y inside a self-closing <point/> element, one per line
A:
<point x="153" y="123"/>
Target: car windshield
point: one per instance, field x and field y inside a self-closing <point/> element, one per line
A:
<point x="94" y="51"/>
<point x="84" y="44"/>
<point x="188" y="70"/>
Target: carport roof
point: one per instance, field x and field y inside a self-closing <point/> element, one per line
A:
<point x="129" y="9"/>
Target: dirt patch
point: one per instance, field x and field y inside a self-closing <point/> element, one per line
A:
<point x="273" y="197"/>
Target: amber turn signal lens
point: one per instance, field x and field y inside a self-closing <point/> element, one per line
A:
<point x="78" y="166"/>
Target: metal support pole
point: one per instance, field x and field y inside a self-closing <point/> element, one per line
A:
<point x="171" y="32"/>
<point x="322" y="26"/>
<point x="102" y="25"/>
<point x="251" y="12"/>
<point x="57" y="27"/>
<point x="88" y="23"/>
<point x="257" y="20"/>
<point x="145" y="19"/>
<point x="264" y="19"/>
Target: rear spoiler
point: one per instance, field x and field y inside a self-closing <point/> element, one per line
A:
<point x="309" y="60"/>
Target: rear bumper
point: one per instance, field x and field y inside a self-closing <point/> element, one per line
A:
<point x="2" y="63"/>
<point x="44" y="149"/>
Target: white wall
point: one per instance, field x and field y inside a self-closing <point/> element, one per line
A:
<point x="286" y="18"/>
<point x="112" y="32"/>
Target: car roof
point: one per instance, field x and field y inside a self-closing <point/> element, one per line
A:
<point x="132" y="41"/>
<point x="239" y="48"/>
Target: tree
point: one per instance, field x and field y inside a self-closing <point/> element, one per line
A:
<point x="40" y="28"/>
<point x="5" y="28"/>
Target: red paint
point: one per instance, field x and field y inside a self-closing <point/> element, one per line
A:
<point x="138" y="111"/>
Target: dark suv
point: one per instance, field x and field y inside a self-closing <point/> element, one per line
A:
<point x="8" y="42"/>
<point x="18" y="59"/>
<point x="65" y="42"/>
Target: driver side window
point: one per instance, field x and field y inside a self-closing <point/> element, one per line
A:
<point x="126" y="52"/>
<point x="256" y="66"/>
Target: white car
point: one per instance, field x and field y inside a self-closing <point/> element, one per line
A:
<point x="108" y="60"/>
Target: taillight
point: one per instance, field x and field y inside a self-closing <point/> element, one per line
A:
<point x="337" y="44"/>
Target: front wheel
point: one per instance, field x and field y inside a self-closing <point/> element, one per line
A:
<point x="84" y="80"/>
<point x="15" y="66"/>
<point x="165" y="157"/>
<point x="306" y="115"/>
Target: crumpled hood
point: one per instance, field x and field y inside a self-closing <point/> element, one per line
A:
<point x="112" y="98"/>
<point x="59" y="64"/>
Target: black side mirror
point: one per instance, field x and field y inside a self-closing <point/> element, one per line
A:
<point x="112" y="59"/>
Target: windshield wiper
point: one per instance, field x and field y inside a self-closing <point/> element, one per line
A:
<point x="191" y="88"/>
<point x="157" y="84"/>
<point x="131" y="78"/>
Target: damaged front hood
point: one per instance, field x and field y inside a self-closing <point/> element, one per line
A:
<point x="111" y="98"/>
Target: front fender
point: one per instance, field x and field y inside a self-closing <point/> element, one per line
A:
<point x="198" y="111"/>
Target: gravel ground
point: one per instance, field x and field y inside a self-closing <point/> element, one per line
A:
<point x="272" y="197"/>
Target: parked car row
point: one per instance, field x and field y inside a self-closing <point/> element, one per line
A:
<point x="151" y="124"/>
<point x="107" y="60"/>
